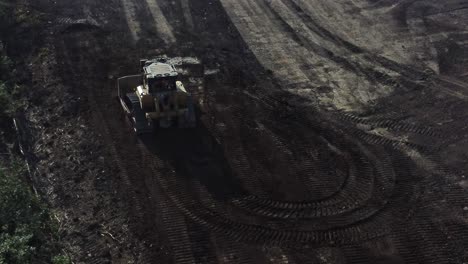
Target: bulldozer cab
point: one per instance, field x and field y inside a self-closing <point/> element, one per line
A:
<point x="157" y="85"/>
<point x="159" y="76"/>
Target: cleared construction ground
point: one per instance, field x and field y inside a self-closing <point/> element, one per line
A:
<point x="332" y="132"/>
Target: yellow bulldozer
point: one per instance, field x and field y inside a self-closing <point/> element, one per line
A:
<point x="156" y="98"/>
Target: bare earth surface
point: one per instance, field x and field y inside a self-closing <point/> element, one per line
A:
<point x="333" y="132"/>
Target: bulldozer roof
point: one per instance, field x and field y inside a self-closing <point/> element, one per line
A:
<point x="159" y="70"/>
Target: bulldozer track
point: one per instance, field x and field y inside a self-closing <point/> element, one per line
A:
<point x="281" y="209"/>
<point x="342" y="201"/>
<point x="288" y="205"/>
<point x="202" y="247"/>
<point x="248" y="173"/>
<point x="184" y="202"/>
<point x="391" y="124"/>
<point x="380" y="140"/>
<point x="245" y="172"/>
<point x="230" y="252"/>
<point x="374" y="185"/>
<point x="252" y="233"/>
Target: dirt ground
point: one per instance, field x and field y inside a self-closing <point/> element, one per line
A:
<point x="332" y="131"/>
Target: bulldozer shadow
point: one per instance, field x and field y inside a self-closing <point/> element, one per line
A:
<point x="196" y="156"/>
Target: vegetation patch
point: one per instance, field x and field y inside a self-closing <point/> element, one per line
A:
<point x="28" y="233"/>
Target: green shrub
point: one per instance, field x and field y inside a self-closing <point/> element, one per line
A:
<point x="15" y="245"/>
<point x="26" y="230"/>
<point x="61" y="259"/>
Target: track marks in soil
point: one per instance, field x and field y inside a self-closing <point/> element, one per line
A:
<point x="160" y="22"/>
<point x="369" y="175"/>
<point x="268" y="43"/>
<point x="187" y="13"/>
<point x="297" y="55"/>
<point x="291" y="39"/>
<point x="175" y="228"/>
<point x="131" y="15"/>
<point x="135" y="20"/>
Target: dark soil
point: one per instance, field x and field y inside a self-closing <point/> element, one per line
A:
<point x="270" y="175"/>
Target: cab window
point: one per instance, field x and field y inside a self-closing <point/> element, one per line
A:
<point x="160" y="85"/>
